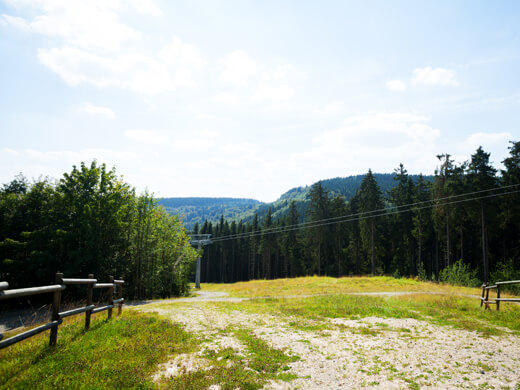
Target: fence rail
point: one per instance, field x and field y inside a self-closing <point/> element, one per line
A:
<point x="114" y="287"/>
<point x="484" y="300"/>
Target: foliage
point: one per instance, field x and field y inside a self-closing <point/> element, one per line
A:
<point x="91" y="221"/>
<point x="505" y="272"/>
<point x="459" y="274"/>
<point x="423" y="224"/>
<point x="118" y="354"/>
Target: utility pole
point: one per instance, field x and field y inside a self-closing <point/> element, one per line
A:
<point x="199" y="240"/>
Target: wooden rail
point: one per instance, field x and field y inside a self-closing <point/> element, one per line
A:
<point x="114" y="287"/>
<point x="484" y="300"/>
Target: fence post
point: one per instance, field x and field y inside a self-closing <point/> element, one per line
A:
<point x="110" y="295"/>
<point x="483" y="292"/>
<point x="487" y="297"/>
<point x="498" y="296"/>
<point x="56" y="310"/>
<point x="120" y="308"/>
<point x="88" y="313"/>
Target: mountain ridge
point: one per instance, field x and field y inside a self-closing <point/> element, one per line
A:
<point x="194" y="210"/>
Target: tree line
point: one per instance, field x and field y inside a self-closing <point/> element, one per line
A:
<point x="468" y="216"/>
<point x="91" y="221"/>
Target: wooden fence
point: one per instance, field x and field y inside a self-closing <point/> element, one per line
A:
<point x="115" y="289"/>
<point x="484" y="300"/>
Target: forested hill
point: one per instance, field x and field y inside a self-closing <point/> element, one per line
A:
<point x="197" y="210"/>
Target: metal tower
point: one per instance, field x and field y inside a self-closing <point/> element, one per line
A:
<point x="199" y="240"/>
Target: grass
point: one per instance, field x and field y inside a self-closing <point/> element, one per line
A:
<point x="315" y="285"/>
<point x="453" y="310"/>
<point x="116" y="354"/>
<point x="231" y="370"/>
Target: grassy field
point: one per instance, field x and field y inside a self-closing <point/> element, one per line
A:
<point x="316" y="285"/>
<point x="127" y="351"/>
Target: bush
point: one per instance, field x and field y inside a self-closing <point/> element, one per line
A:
<point x="459" y="274"/>
<point x="506" y="271"/>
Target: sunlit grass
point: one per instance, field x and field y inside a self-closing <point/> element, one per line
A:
<point x="314" y="285"/>
<point x="453" y="310"/>
<point x="120" y="353"/>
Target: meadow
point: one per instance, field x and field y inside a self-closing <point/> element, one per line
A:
<point x="313" y="332"/>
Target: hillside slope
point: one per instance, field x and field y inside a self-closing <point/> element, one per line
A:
<point x="197" y="210"/>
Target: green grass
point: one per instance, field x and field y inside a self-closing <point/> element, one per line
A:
<point x="322" y="285"/>
<point x="231" y="370"/>
<point x="119" y="354"/>
<point x="453" y="310"/>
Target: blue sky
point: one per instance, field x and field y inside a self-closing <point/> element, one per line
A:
<point x="250" y="99"/>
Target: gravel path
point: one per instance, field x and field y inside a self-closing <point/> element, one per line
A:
<point x="351" y="354"/>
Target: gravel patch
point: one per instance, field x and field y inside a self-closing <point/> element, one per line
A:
<point x="366" y="353"/>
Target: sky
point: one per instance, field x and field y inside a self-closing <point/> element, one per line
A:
<point x="252" y="98"/>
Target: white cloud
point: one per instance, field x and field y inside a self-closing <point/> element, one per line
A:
<point x="332" y="108"/>
<point x="89" y="44"/>
<point x="180" y="53"/>
<point x="73" y="22"/>
<point x="225" y="98"/>
<point x="271" y="93"/>
<point x="375" y="140"/>
<point x="434" y="76"/>
<point x="396" y="85"/>
<point x="237" y="68"/>
<point x="134" y="72"/>
<point x="93" y="110"/>
<point x="488" y="139"/>
<point x="16" y="22"/>
<point x="146" y="137"/>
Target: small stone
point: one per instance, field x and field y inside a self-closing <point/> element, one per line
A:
<point x="482" y="372"/>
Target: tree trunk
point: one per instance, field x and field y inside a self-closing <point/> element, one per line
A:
<point x="372" y="246"/>
<point x="419" y="260"/>
<point x="447" y="241"/>
<point x="484" y="244"/>
<point x="319" y="258"/>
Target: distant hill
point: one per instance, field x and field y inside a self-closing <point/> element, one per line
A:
<point x="193" y="210"/>
<point x="197" y="210"/>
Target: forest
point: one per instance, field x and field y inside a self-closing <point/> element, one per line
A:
<point x="91" y="221"/>
<point x="462" y="223"/>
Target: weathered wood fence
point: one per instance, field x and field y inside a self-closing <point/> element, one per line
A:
<point x="484" y="300"/>
<point x="115" y="290"/>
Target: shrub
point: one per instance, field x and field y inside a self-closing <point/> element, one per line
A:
<point x="459" y="274"/>
<point x="506" y="271"/>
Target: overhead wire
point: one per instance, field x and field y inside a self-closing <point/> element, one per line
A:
<point x="372" y="213"/>
<point x="303" y="224"/>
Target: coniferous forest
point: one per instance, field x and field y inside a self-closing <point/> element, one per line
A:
<point x="91" y="221"/>
<point x="465" y="224"/>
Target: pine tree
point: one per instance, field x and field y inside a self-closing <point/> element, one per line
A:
<point x="371" y="204"/>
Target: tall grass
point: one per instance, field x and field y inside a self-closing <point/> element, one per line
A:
<point x="118" y="354"/>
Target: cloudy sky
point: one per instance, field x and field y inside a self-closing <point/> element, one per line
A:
<point x="251" y="98"/>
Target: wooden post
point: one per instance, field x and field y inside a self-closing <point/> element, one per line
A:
<point x="120" y="308"/>
<point x="498" y="296"/>
<point x="487" y="299"/>
<point x="88" y="313"/>
<point x="483" y="293"/>
<point x="56" y="310"/>
<point x="110" y="295"/>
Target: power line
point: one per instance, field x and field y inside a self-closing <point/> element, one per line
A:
<point x="370" y="214"/>
<point x="303" y="224"/>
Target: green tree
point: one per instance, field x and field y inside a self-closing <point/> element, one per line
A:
<point x="482" y="176"/>
<point x="371" y="205"/>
